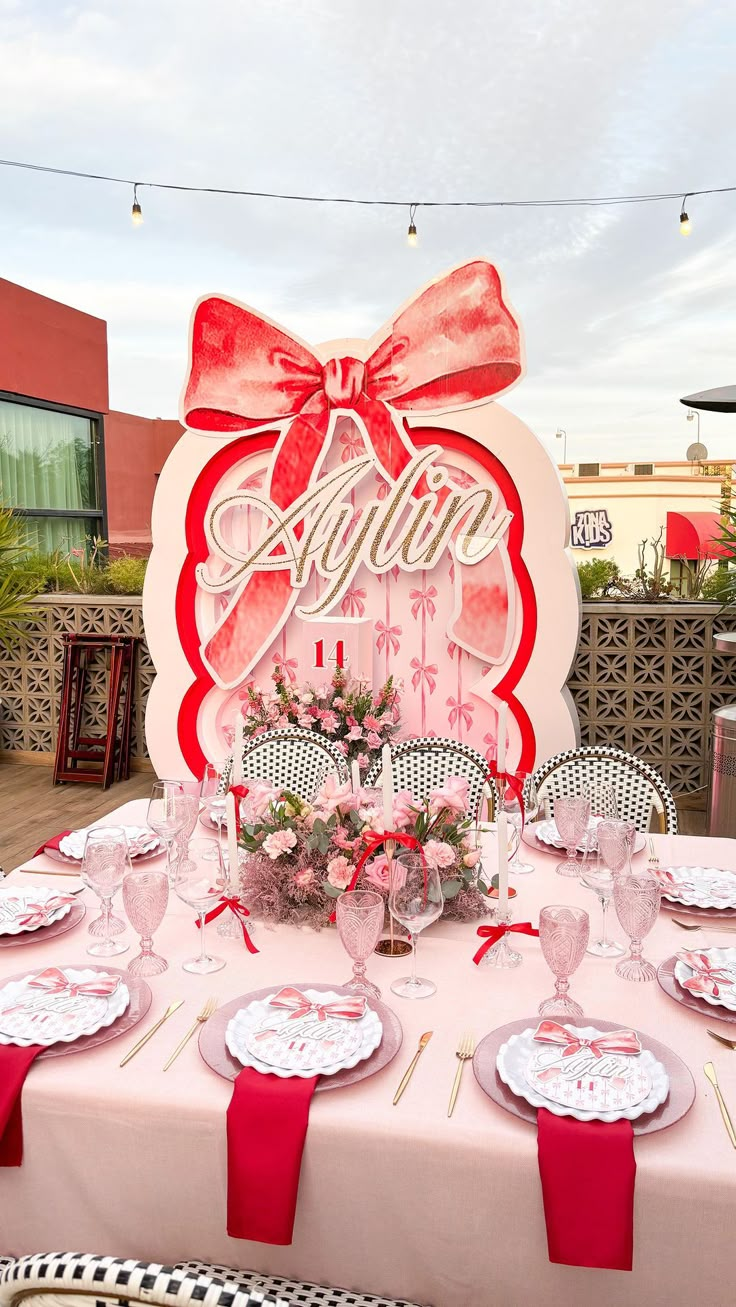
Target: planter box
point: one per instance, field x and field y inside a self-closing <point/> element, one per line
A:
<point x="645" y="679"/>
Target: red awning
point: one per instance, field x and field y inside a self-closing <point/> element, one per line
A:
<point x="693" y="535"/>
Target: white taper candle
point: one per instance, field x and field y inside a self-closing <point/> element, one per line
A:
<point x="355" y="775"/>
<point x="503" y="713"/>
<point x="388" y="788"/>
<point x="238" y="751"/>
<point x="503" y="865"/>
<point x="232" y="838"/>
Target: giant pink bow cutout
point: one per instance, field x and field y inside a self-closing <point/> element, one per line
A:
<point x="705" y="978"/>
<point x="613" y="1041"/>
<point x="347" y="1009"/>
<point x="455" y="344"/>
<point x="55" y="982"/>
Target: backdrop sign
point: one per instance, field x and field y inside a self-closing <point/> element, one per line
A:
<point x="591" y="529"/>
<point x="366" y="504"/>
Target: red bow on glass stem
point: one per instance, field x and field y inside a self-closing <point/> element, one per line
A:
<point x="508" y="781"/>
<point x="491" y="935"/>
<point x="240" y="792"/>
<point x="239" y="910"/>
<point x="373" y="844"/>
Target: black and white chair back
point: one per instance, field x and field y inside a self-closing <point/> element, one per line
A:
<point x="83" y="1280"/>
<point x="640" y="791"/>
<point x="76" y="1279"/>
<point x="291" y="758"/>
<point x="424" y="764"/>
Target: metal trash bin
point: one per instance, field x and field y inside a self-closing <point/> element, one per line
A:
<point x="722" y="806"/>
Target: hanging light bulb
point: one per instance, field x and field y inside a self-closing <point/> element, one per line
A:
<point x="412" y="238"/>
<point x="136" y="214"/>
<point x="685" y="223"/>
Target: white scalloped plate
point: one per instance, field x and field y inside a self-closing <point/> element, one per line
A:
<point x="15" y="904"/>
<point x="247" y="1018"/>
<point x="513" y="1059"/>
<point x="141" y="840"/>
<point x="719" y="957"/>
<point x="699" y="887"/>
<point x="89" y="1013"/>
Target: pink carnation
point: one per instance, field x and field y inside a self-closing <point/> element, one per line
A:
<point x="439" y="854"/>
<point x="371" y="723"/>
<point x="304" y="877"/>
<point x="376" y="871"/>
<point x="339" y="872"/>
<point x="278" y="842"/>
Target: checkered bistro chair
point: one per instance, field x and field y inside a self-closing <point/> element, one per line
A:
<point x="640" y="790"/>
<point x="291" y="758"/>
<point x="423" y="764"/>
<point x="72" y="1279"/>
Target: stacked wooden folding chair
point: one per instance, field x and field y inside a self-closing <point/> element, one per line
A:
<point x="80" y="755"/>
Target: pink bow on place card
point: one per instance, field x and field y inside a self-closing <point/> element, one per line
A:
<point x="347" y="1009"/>
<point x="38" y="914"/>
<point x="706" y="978"/>
<point x="53" y="981"/>
<point x="614" y="1041"/>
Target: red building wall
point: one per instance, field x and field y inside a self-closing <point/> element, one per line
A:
<point x="135" y="451"/>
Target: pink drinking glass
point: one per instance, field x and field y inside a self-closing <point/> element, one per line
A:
<point x="360" y="916"/>
<point x="616" y="844"/>
<point x="563" y="936"/>
<point x="145" y="898"/>
<point x="571" y="819"/>
<point x="636" y="898"/>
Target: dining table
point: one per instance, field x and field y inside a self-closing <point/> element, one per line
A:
<point x="398" y="1200"/>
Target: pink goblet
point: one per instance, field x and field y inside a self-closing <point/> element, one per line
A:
<point x="360" y="915"/>
<point x="636" y="898"/>
<point x="571" y="819"/>
<point x="563" y="936"/>
<point x="145" y="898"/>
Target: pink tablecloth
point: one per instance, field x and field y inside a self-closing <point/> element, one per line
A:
<point x="395" y="1200"/>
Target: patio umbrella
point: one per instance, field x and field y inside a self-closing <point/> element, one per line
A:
<point x="720" y="400"/>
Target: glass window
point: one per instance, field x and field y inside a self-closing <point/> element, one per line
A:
<point x="48" y="468"/>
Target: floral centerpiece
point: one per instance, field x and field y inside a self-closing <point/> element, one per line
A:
<point x="303" y="855"/>
<point x="346" y="711"/>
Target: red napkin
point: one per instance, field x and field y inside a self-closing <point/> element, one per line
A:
<point x="587" y="1170"/>
<point x="14" y="1066"/>
<point x="266" y="1126"/>
<point x="53" y="843"/>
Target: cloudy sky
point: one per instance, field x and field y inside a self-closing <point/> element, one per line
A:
<point x="406" y="99"/>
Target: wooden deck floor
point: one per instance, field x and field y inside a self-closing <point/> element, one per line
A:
<point x="32" y="809"/>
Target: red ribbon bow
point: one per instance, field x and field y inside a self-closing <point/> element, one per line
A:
<point x="240" y="792"/>
<point x="508" y="781"/>
<point x="239" y="910"/>
<point x="55" y="982"/>
<point x="613" y="1041"/>
<point x="454" y="345"/>
<point x="347" y="1009"/>
<point x="373" y="844"/>
<point x="492" y="934"/>
<point x="706" y="978"/>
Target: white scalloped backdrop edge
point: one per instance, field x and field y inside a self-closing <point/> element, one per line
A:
<point x="718" y="957"/>
<point x="514" y="1055"/>
<point x="24" y="897"/>
<point x="116" y="1004"/>
<point x="245" y="1018"/>
<point x="700" y="896"/>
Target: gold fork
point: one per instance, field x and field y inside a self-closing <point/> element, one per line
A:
<point x="464" y="1050"/>
<point x="711" y="926"/>
<point x="207" y="1011"/>
<point x="653" y="859"/>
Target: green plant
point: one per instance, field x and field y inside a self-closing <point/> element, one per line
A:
<point x="16" y="592"/>
<point x="125" y="575"/>
<point x="720" y="586"/>
<point x="599" y="577"/>
<point x="46" y="572"/>
<point x="86" y="571"/>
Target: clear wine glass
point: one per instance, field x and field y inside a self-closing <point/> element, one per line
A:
<point x="563" y="936"/>
<point x="145" y="898"/>
<point x="360" y="916"/>
<point x="571" y="820"/>
<point x="415" y="901"/>
<point x="600" y="880"/>
<point x="104" y="864"/>
<point x="167" y="816"/>
<point x="512" y="808"/>
<point x="636" y="898"/>
<point x="200" y="882"/>
<point x="214" y="792"/>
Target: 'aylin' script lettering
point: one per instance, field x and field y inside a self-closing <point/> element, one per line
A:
<point x="403" y="530"/>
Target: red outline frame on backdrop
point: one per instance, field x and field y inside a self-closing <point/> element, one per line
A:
<point x="198" y="552"/>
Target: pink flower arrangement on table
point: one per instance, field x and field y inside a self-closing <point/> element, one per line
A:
<point x="345" y="711"/>
<point x="302" y="856"/>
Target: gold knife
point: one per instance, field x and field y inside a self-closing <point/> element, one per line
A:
<point x="710" y="1072"/>
<point x="730" y="1043"/>
<point x="171" y="1009"/>
<point x="410" y="1069"/>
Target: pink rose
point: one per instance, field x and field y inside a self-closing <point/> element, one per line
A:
<point x="376" y="871"/>
<point x="306" y="720"/>
<point x="260" y="795"/>
<point x="334" y="794"/>
<point x="373" y="740"/>
<point x="330" y="722"/>
<point x="453" y="795"/>
<point x="355" y="733"/>
<point x="338" y="702"/>
<point x="278" y="842"/>
<point x="339" y="872"/>
<point x="342" y="746"/>
<point x="363" y="761"/>
<point x="404" y="813"/>
<point x="439" y="854"/>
